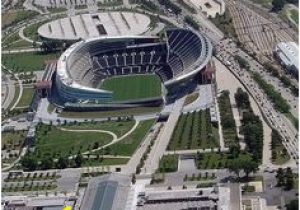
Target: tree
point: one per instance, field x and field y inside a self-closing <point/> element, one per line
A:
<point x="46" y="163"/>
<point x="280" y="177"/>
<point x="78" y="160"/>
<point x="289" y="179"/>
<point x="62" y="162"/>
<point x="29" y="163"/>
<point x="249" y="166"/>
<point x="235" y="166"/>
<point x="133" y="179"/>
<point x="278" y="4"/>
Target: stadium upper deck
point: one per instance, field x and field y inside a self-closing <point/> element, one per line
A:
<point x="179" y="57"/>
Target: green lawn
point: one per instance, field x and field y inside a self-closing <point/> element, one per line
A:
<point x="26" y="97"/>
<point x="191" y="98"/>
<point x="227" y="120"/>
<point x="295" y="15"/>
<point x="105" y="161"/>
<point x="115" y="113"/>
<point x="52" y="141"/>
<point x="279" y="153"/>
<point x="29" y="61"/>
<point x="133" y="87"/>
<point x="194" y="131"/>
<point x="118" y="128"/>
<point x="16" y="95"/>
<point x="12" y="140"/>
<point x="11" y="17"/>
<point x="215" y="160"/>
<point x="128" y="145"/>
<point x="168" y="163"/>
<point x="31" y="31"/>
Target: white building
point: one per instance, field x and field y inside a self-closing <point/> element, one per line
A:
<point x="288" y="53"/>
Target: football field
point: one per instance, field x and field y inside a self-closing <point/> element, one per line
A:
<point x="131" y="87"/>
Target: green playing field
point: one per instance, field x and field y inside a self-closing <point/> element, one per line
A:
<point x="133" y="86"/>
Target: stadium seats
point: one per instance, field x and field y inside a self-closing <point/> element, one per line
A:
<point x="181" y="52"/>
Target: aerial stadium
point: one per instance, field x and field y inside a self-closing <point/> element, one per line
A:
<point x="91" y="73"/>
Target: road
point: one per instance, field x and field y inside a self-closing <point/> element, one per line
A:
<point x="275" y="119"/>
<point x="164" y="137"/>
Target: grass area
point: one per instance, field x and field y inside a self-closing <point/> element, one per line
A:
<point x="20" y="44"/>
<point x="57" y="10"/>
<point x="44" y="187"/>
<point x="296" y="182"/>
<point x="53" y="142"/>
<point x="12" y="140"/>
<point x="115" y="113"/>
<point x="9" y="39"/>
<point x="265" y="3"/>
<point x="11" y="17"/>
<point x="51" y="108"/>
<point x="111" y="3"/>
<point x="200" y="177"/>
<point x="279" y="152"/>
<point x="117" y="127"/>
<point x="227" y="120"/>
<point x="295" y="15"/>
<point x="29" y="61"/>
<point x="105" y="161"/>
<point x="168" y="163"/>
<point x="133" y="87"/>
<point x="225" y="23"/>
<point x="280" y="103"/>
<point x="215" y="160"/>
<point x="293" y="119"/>
<point x="16" y="95"/>
<point x="31" y="30"/>
<point x="194" y="131"/>
<point x="129" y="144"/>
<point x="26" y="97"/>
<point x="190" y="98"/>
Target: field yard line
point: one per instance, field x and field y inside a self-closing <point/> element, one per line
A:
<point x="99" y="131"/>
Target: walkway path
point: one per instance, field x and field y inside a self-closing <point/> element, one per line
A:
<point x="20" y="93"/>
<point x="99" y="131"/>
<point x="21" y="34"/>
<point x="115" y="139"/>
<point x="194" y="151"/>
<point x="163" y="138"/>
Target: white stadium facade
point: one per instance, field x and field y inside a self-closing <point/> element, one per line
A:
<point x="177" y="58"/>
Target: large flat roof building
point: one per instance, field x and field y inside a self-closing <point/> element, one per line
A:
<point x="109" y="192"/>
<point x="288" y="53"/>
<point x="86" y="26"/>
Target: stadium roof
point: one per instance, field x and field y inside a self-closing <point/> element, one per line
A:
<point x="87" y="26"/>
<point x="288" y="52"/>
<point x="107" y="192"/>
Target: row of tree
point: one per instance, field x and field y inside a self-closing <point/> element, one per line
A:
<point x="279" y="4"/>
<point x="279" y="102"/>
<point x="284" y="79"/>
<point x="285" y="178"/>
<point x="190" y="21"/>
<point x="31" y="163"/>
<point x="170" y="5"/>
<point x="252" y="127"/>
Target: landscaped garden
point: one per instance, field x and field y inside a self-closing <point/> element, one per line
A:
<point x="194" y="131"/>
<point x="227" y="120"/>
<point x="129" y="144"/>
